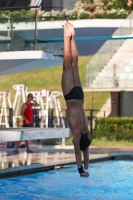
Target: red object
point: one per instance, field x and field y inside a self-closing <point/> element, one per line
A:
<point x="28" y="114"/>
<point x="2" y="143"/>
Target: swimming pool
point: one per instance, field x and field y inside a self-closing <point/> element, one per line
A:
<point x="110" y="180"/>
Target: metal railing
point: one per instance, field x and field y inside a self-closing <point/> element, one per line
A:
<point x="90" y="115"/>
<point x="32" y="42"/>
<point x="116" y="76"/>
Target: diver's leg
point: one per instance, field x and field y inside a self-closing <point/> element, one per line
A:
<point x="74" y="52"/>
<point x="67" y="75"/>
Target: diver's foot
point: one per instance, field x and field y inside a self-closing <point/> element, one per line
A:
<point x="16" y="151"/>
<point x="84" y="175"/>
<point x="71" y="29"/>
<point x="66" y="31"/>
<point x="29" y="151"/>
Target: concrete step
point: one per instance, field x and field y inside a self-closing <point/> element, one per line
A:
<point x="125" y="83"/>
<point x="119" y="60"/>
<point x="105" y="110"/>
<point x="104" y="79"/>
<point x="122" y="54"/>
<point x="109" y="73"/>
<point x="102" y="85"/>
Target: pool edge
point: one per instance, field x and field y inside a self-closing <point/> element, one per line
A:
<point x="30" y="169"/>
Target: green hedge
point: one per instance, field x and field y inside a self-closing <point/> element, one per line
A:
<point x="104" y="4"/>
<point x="114" y="128"/>
<point x="84" y="9"/>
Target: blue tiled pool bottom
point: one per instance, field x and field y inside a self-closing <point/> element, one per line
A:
<point x="111" y="180"/>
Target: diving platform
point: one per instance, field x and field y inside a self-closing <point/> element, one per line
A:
<point x="21" y="61"/>
<point x="20" y="134"/>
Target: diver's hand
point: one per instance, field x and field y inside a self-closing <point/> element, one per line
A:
<point x="84" y="175"/>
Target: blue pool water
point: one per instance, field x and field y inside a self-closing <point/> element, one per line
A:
<point x="111" y="180"/>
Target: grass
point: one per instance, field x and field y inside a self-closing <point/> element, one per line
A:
<point x="111" y="143"/>
<point x="102" y="142"/>
<point x="50" y="79"/>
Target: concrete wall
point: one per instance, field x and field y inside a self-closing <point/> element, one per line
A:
<point x="115" y="102"/>
<point x="126" y="104"/>
<point x="69" y="4"/>
<point x="83" y="28"/>
<point x="58" y="4"/>
<point x="84" y="48"/>
<point x="121" y="104"/>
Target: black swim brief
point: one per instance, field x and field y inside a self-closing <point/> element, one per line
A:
<point x="75" y="93"/>
<point x="28" y="125"/>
